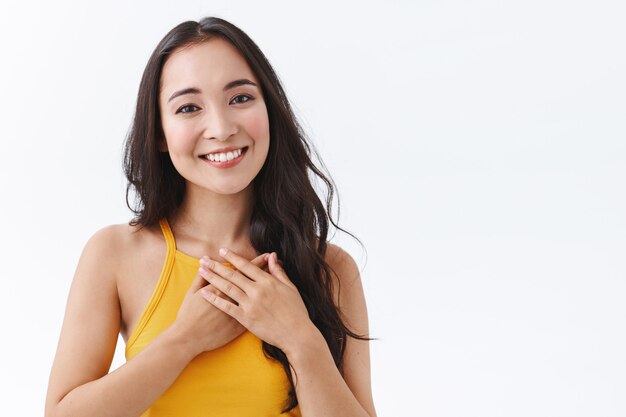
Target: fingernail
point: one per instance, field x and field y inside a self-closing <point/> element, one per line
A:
<point x="266" y="257"/>
<point x="223" y="251"/>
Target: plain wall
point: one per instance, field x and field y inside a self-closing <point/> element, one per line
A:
<point x="478" y="148"/>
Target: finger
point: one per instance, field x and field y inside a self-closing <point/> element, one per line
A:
<point x="230" y="274"/>
<point x="214" y="290"/>
<point x="197" y="283"/>
<point x="276" y="269"/>
<point x="261" y="261"/>
<point x="246" y="267"/>
<point x="200" y="282"/>
<point x="226" y="306"/>
<point x="225" y="285"/>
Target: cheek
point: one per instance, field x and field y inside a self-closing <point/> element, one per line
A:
<point x="257" y="126"/>
<point x="179" y="136"/>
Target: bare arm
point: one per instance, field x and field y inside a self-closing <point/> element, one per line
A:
<point x="320" y="388"/>
<point x="270" y="306"/>
<point x="80" y="384"/>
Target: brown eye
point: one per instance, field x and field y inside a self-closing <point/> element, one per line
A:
<point x="248" y="98"/>
<point x="185" y="108"/>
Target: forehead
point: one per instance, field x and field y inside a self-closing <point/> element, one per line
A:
<point x="210" y="64"/>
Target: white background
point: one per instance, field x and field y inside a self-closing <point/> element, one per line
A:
<point x="478" y="147"/>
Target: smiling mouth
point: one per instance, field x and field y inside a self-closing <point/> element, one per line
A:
<point x="225" y="156"/>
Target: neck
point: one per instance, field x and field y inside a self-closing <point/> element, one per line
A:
<point x="215" y="219"/>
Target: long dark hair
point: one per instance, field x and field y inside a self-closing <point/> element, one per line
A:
<point x="288" y="216"/>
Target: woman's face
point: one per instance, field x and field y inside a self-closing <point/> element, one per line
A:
<point x="204" y="113"/>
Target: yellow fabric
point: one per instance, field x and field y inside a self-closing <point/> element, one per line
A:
<point x="236" y="380"/>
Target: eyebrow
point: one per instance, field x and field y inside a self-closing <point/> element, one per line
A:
<point x="194" y="90"/>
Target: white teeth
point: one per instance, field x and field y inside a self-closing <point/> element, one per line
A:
<point x="222" y="157"/>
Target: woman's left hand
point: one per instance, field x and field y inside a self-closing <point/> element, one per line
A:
<point x="267" y="304"/>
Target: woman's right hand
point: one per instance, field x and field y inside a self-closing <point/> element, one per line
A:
<point x="201" y="325"/>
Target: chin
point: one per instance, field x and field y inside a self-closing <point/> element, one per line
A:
<point x="230" y="189"/>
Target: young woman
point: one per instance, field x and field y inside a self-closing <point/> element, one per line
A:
<point x="227" y="293"/>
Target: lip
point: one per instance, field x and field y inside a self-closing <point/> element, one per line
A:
<point x="227" y="164"/>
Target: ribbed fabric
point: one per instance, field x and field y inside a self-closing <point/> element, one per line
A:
<point x="235" y="380"/>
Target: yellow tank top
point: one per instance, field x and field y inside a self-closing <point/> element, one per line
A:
<point x="235" y="380"/>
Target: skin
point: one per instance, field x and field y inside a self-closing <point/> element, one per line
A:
<point x="111" y="289"/>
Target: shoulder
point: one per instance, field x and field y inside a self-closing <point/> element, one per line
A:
<point x="347" y="285"/>
<point x="338" y="258"/>
<point x="111" y="244"/>
<point x="108" y="239"/>
<point x="111" y="236"/>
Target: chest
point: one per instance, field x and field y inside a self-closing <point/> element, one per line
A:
<point x="140" y="269"/>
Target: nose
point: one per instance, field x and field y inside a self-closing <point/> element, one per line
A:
<point x="219" y="124"/>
